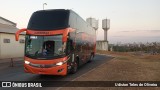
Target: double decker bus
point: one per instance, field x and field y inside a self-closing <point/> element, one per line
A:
<point x="57" y="42"/>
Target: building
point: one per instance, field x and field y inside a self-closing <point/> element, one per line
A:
<point x="102" y="45"/>
<point x="9" y="48"/>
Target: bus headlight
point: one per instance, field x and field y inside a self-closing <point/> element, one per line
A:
<point x="59" y="63"/>
<point x="26" y="62"/>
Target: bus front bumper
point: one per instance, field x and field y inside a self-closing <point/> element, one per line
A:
<point x="55" y="70"/>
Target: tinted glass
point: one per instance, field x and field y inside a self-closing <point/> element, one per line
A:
<point x="49" y="20"/>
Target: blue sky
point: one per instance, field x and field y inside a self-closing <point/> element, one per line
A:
<point x="131" y="20"/>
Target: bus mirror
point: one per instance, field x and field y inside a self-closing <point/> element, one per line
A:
<point x="64" y="39"/>
<point x="65" y="35"/>
<point x="18" y="32"/>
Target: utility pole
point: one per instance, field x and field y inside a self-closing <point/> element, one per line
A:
<point x="44" y="4"/>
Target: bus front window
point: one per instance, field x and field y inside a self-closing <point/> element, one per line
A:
<point x="44" y="47"/>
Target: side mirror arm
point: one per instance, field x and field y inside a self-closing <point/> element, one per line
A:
<point x="18" y="32"/>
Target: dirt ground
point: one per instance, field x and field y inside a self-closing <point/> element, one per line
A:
<point x="124" y="67"/>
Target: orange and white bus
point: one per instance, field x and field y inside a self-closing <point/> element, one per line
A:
<point x="57" y="42"/>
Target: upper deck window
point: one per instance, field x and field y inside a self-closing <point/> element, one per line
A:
<point x="49" y="20"/>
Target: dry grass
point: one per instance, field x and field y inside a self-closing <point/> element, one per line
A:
<point x="124" y="67"/>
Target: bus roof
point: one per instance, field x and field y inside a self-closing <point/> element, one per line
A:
<point x="53" y="10"/>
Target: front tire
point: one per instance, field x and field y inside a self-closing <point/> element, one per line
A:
<point x="91" y="58"/>
<point x="74" y="68"/>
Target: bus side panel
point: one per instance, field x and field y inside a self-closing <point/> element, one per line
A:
<point x="85" y="37"/>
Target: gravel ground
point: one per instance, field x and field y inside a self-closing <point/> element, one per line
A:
<point x="124" y="67"/>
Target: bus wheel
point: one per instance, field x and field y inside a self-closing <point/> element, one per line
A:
<point x="74" y="68"/>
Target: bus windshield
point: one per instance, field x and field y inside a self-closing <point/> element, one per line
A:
<point x="44" y="47"/>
